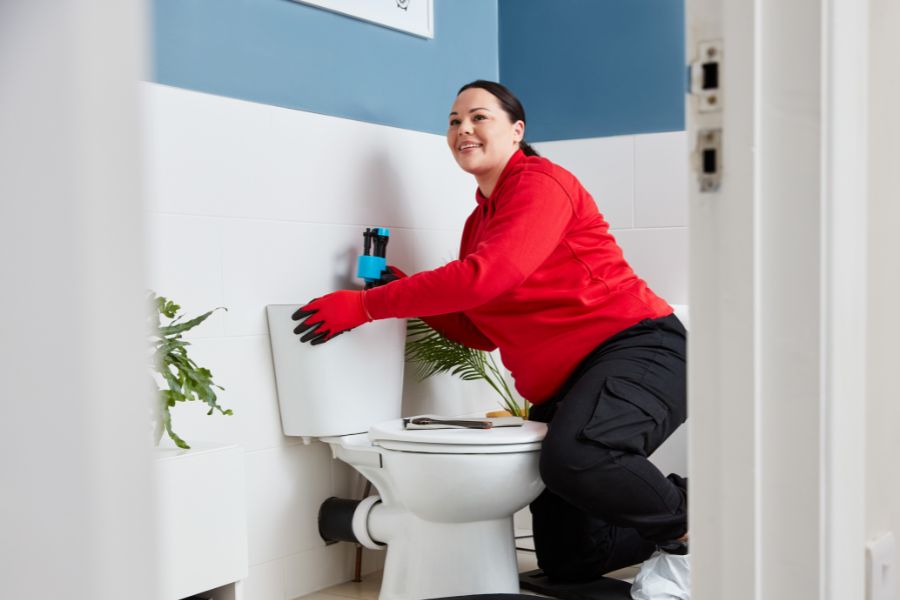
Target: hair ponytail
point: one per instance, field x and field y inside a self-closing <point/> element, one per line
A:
<point x="508" y="101"/>
<point x="527" y="149"/>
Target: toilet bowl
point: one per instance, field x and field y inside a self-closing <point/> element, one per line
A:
<point x="446" y="497"/>
<point x="446" y="504"/>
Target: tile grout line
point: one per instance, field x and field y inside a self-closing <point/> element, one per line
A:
<point x="221" y="231"/>
<point x="662" y="228"/>
<point x="292" y="221"/>
<point x="634" y="182"/>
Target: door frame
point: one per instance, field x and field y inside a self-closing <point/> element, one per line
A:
<point x="777" y="293"/>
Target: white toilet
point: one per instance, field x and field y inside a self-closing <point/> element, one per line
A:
<point x="446" y="496"/>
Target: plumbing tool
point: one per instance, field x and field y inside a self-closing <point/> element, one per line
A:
<point x="454" y="423"/>
<point x="372" y="265"/>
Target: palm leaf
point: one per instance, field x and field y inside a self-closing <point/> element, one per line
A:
<point x="172" y="328"/>
<point x="431" y="353"/>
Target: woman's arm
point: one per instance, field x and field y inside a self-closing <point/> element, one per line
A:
<point x="527" y="225"/>
<point x="460" y="329"/>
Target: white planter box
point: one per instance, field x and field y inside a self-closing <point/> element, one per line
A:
<point x="201" y="511"/>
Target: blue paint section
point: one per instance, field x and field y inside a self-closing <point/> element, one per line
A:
<point x="582" y="68"/>
<point x="297" y="56"/>
<point x="593" y="68"/>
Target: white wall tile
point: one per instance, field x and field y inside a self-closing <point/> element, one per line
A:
<point x="446" y="395"/>
<point x="317" y="569"/>
<point x="659" y="257"/>
<point x="225" y="157"/>
<point x="660" y="179"/>
<point x="185" y="265"/>
<point x="415" y="250"/>
<point x="265" y="581"/>
<point x="285" y="487"/>
<point x="196" y="145"/>
<point x="346" y="481"/>
<point x="367" y="589"/>
<point x="343" y="171"/>
<point x="605" y="167"/>
<point x="671" y="456"/>
<point x="273" y="262"/>
<point x="243" y="366"/>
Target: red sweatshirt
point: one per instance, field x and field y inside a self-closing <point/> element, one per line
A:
<point x="538" y="276"/>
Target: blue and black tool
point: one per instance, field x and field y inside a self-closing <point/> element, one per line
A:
<point x="372" y="264"/>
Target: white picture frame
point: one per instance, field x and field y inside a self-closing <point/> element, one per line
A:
<point x="409" y="16"/>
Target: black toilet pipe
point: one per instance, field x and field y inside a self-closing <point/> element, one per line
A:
<point x="336" y="520"/>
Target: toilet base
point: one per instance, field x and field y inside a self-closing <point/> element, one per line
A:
<point x="432" y="560"/>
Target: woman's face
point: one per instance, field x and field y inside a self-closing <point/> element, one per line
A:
<point x="480" y="134"/>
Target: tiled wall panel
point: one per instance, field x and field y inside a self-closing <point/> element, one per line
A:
<point x="659" y="256"/>
<point x="660" y="182"/>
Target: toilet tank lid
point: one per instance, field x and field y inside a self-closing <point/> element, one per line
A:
<point x="529" y="432"/>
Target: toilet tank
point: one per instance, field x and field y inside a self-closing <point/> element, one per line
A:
<point x="342" y="386"/>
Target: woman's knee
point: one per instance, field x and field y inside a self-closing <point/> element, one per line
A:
<point x="564" y="463"/>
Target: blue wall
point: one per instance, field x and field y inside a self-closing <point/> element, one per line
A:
<point x="592" y="68"/>
<point x="297" y="56"/>
<point x="582" y="68"/>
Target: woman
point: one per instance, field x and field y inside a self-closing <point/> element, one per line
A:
<point x="599" y="355"/>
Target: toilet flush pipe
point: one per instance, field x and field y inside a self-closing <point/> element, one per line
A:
<point x="361" y="517"/>
<point x="336" y="520"/>
<point x="347" y="520"/>
<point x="384" y="521"/>
<point x="375" y="523"/>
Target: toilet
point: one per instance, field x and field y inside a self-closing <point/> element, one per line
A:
<point x="446" y="497"/>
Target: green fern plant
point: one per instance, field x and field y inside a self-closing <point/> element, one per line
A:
<point x="431" y="353"/>
<point x="185" y="380"/>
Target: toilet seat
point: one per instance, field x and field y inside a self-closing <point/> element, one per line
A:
<point x="391" y="435"/>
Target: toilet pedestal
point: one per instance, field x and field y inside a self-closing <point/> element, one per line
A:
<point x="446" y="510"/>
<point x="432" y="560"/>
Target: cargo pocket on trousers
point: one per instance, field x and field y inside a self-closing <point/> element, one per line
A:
<point x="627" y="417"/>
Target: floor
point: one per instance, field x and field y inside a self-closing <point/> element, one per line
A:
<point x="368" y="588"/>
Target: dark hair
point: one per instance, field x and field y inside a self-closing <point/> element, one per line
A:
<point x="508" y="101"/>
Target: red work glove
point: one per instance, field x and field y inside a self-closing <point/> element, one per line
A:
<point x="392" y="273"/>
<point x="331" y="315"/>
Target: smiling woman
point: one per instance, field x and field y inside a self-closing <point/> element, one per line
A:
<point x="599" y="355"/>
<point x="484" y="132"/>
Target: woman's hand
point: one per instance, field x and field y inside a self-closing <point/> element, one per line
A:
<point x="392" y="273"/>
<point x="331" y="315"/>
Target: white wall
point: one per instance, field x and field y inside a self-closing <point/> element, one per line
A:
<point x="76" y="517"/>
<point x="253" y="205"/>
<point x="883" y="443"/>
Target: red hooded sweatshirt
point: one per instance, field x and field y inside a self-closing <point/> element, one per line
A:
<point x="539" y="276"/>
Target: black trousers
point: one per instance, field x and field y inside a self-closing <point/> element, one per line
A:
<point x="606" y="506"/>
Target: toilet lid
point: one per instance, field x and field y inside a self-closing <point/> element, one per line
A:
<point x="391" y="434"/>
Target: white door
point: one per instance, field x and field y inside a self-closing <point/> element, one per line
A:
<point x="76" y="518"/>
<point x="777" y="296"/>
